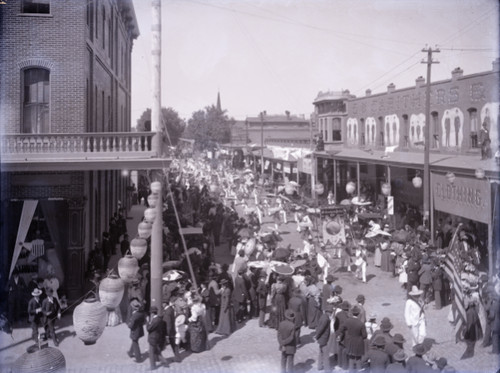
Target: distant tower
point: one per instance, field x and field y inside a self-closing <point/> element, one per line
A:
<point x="219" y="107"/>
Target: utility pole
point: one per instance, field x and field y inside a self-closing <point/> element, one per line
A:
<point x="427" y="174"/>
<point x="262" y="144"/>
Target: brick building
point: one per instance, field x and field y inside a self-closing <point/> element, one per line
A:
<point x="65" y="129"/>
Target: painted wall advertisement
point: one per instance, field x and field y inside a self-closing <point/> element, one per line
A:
<point x="465" y="197"/>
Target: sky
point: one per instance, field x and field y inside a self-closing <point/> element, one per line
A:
<point x="277" y="55"/>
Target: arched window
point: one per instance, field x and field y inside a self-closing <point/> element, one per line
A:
<point x="36" y="100"/>
<point x="405" y="130"/>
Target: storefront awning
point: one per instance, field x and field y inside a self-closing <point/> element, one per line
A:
<point x="471" y="163"/>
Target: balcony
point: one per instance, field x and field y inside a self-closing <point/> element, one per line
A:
<point x="78" y="151"/>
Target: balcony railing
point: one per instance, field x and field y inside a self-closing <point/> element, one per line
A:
<point x="76" y="145"/>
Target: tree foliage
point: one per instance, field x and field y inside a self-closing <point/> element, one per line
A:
<point x="172" y="125"/>
<point x="209" y="126"/>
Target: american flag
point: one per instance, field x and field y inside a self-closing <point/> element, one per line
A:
<point x="453" y="268"/>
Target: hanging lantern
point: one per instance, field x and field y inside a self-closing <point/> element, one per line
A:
<point x="153" y="200"/>
<point x="155" y="187"/>
<point x="111" y="291"/>
<point x="89" y="320"/>
<point x="214" y="188"/>
<point x="40" y="360"/>
<point x="350" y="187"/>
<point x="386" y="189"/>
<point x="138" y="247"/>
<point x="150" y="215"/>
<point x="319" y="189"/>
<point x="289" y="189"/>
<point x="417" y="182"/>
<point x="450" y="176"/>
<point x="128" y="266"/>
<point x="480" y="174"/>
<point x="144" y="229"/>
<point x="333" y="227"/>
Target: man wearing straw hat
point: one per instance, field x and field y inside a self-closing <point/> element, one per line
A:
<point x="51" y="310"/>
<point x="35" y="313"/>
<point x="415" y="315"/>
<point x="136" y="325"/>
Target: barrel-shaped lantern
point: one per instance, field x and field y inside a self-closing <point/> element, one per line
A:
<point x="214" y="188"/>
<point x="289" y="189"/>
<point x="417" y="181"/>
<point x="144" y="229"/>
<point x="386" y="189"/>
<point x="155" y="187"/>
<point x="333" y="227"/>
<point x="138" y="247"/>
<point x="350" y="187"/>
<point x="153" y="200"/>
<point x="111" y="291"/>
<point x="89" y="320"/>
<point x="319" y="189"/>
<point x="128" y="266"/>
<point x="40" y="360"/>
<point x="150" y="215"/>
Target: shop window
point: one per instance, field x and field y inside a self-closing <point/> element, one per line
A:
<point x="336" y="130"/>
<point x="36" y="101"/>
<point x="473" y="122"/>
<point x="36" y="6"/>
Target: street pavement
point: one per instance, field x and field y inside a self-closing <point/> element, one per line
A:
<point x="251" y="349"/>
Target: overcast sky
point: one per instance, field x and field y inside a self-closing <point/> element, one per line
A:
<point x="276" y="55"/>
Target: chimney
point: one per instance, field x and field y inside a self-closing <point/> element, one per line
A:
<point x="419" y="82"/>
<point x="368" y="92"/>
<point x="457" y="73"/>
<point x="391" y="88"/>
<point x="496" y="65"/>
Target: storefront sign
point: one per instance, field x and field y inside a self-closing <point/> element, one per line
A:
<point x="305" y="165"/>
<point x="466" y="197"/>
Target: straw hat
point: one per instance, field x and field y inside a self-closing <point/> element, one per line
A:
<point x="415" y="291"/>
<point x="399" y="355"/>
<point x="36" y="292"/>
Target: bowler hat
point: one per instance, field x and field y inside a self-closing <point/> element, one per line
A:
<point x="441" y="363"/>
<point x="399" y="355"/>
<point x="419" y="349"/>
<point x="36" y="292"/>
<point x="355" y="311"/>
<point x="360" y="298"/>
<point x="345" y="305"/>
<point x="385" y="324"/>
<point x="379" y="341"/>
<point x="398" y="338"/>
<point x="329" y="278"/>
<point x="289" y="314"/>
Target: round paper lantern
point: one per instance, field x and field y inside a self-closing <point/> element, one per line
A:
<point x="480" y="174"/>
<point x="289" y="189"/>
<point x="319" y="189"/>
<point x="417" y="181"/>
<point x="153" y="200"/>
<point x="144" y="229"/>
<point x="155" y="187"/>
<point x="127" y="268"/>
<point x="450" y="176"/>
<point x="111" y="291"/>
<point x="350" y="187"/>
<point x="44" y="360"/>
<point x="89" y="320"/>
<point x="138" y="247"/>
<point x="214" y="188"/>
<point x="333" y="227"/>
<point x="150" y="215"/>
<point x="386" y="189"/>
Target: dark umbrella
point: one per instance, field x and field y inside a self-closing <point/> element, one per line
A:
<point x="281" y="253"/>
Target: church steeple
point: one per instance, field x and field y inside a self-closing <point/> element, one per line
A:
<point x="219" y="107"/>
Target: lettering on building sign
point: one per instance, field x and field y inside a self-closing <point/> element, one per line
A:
<point x="477" y="92"/>
<point x="463" y="195"/>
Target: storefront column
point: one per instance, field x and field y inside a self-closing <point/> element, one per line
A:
<point x="358" y="177"/>
<point x="335" y="179"/>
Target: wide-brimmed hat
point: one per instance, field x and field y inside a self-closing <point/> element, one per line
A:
<point x="360" y="298"/>
<point x="386" y="324"/>
<point x="345" y="305"/>
<point x="289" y="314"/>
<point x="399" y="355"/>
<point x="179" y="320"/>
<point x="398" y="338"/>
<point x="329" y="278"/>
<point x="379" y="341"/>
<point x="372" y="316"/>
<point x="36" y="292"/>
<point x="415" y="291"/>
<point x="355" y="311"/>
<point x="419" y="349"/>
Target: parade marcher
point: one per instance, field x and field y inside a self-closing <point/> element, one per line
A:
<point x="295" y="304"/>
<point x="360" y="261"/>
<point x="51" y="310"/>
<point x="472" y="329"/>
<point x="287" y="342"/>
<point x="213" y="302"/>
<point x="376" y="357"/>
<point x="227" y="322"/>
<point x="262" y="292"/>
<point x="169" y="320"/>
<point x="399" y="363"/>
<point x="16" y="288"/>
<point x="136" y="323"/>
<point x="353" y="333"/>
<point x="415" y="315"/>
<point x="35" y="313"/>
<point x="156" y="337"/>
<point x="322" y="336"/>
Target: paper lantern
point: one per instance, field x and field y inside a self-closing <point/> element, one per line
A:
<point x="150" y="215"/>
<point x="450" y="176"/>
<point x="417" y="181"/>
<point x="89" y="320"/>
<point x="111" y="291"/>
<point x="155" y="187"/>
<point x="289" y="189"/>
<point x="153" y="200"/>
<point x="44" y="360"/>
<point x="480" y="174"/>
<point x="386" y="189"/>
<point x="214" y="188"/>
<point x="138" y="247"/>
<point x="350" y="187"/>
<point x="144" y="229"/>
<point x="319" y="189"/>
<point x="333" y="227"/>
<point x="128" y="266"/>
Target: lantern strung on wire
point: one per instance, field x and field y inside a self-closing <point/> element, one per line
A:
<point x="128" y="266"/>
<point x="150" y="215"/>
<point x="153" y="200"/>
<point x="155" y="187"/>
<point x="111" y="293"/>
<point x="89" y="320"/>
<point x="417" y="181"/>
<point x="350" y="187"/>
<point x="138" y="247"/>
<point x="144" y="229"/>
<point x="386" y="189"/>
<point x="319" y="189"/>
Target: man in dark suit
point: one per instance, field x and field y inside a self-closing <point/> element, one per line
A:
<point x="296" y="304"/>
<point x="353" y="333"/>
<point x="327" y="293"/>
<point x="136" y="326"/>
<point x="16" y="296"/>
<point x="322" y="336"/>
<point x="376" y="355"/>
<point x="240" y="296"/>
<point x="340" y="319"/>
<point x="287" y="342"/>
<point x="169" y="319"/>
<point x="51" y="310"/>
<point x="156" y="337"/>
<point x="262" y="291"/>
<point x="35" y="313"/>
